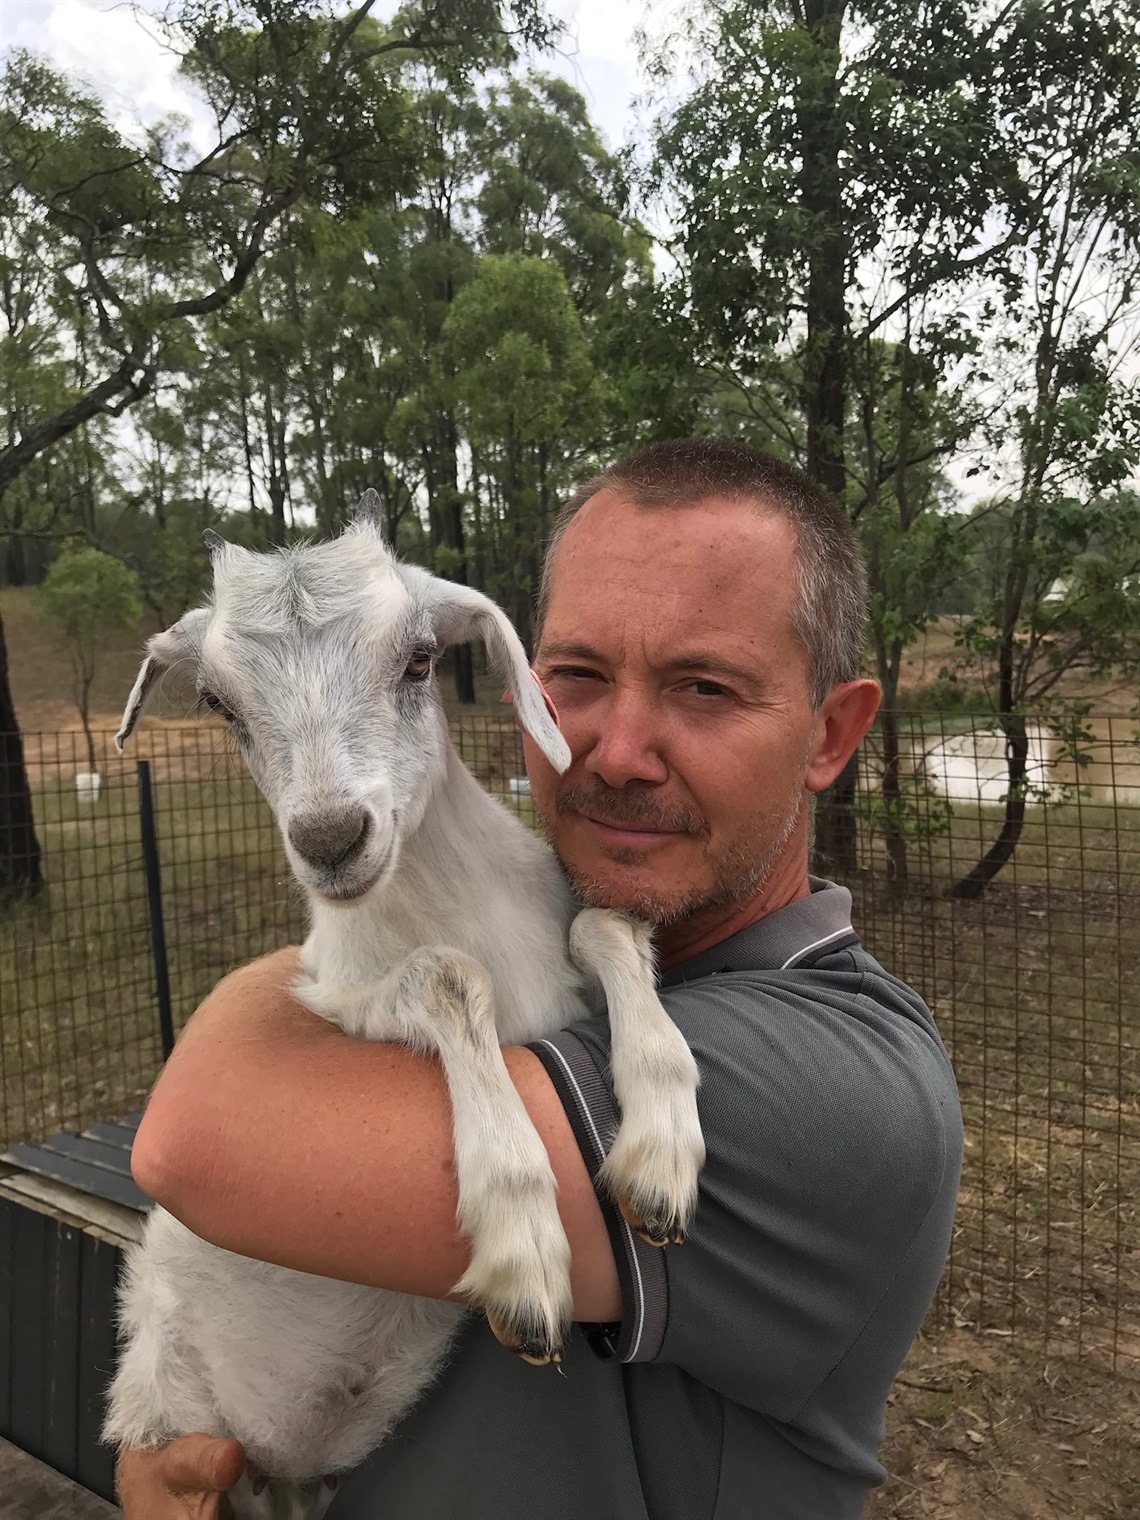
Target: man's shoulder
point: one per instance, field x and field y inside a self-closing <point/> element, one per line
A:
<point x="805" y="960"/>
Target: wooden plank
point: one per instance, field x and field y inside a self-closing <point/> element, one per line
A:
<point x="61" y="1350"/>
<point x="96" y="1152"/>
<point x="29" y="1490"/>
<point x="100" y="1265"/>
<point x="29" y="1253"/>
<point x="81" y="1174"/>
<point x="111" y="1221"/>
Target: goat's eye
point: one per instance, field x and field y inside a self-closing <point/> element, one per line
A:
<point x="215" y="704"/>
<point x="418" y="668"/>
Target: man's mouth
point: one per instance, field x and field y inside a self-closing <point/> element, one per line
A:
<point x="625" y="832"/>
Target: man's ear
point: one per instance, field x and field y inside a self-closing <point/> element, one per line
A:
<point x="178" y="642"/>
<point x="844" y="716"/>
<point x="460" y="614"/>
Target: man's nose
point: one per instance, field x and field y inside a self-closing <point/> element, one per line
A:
<point x="628" y="743"/>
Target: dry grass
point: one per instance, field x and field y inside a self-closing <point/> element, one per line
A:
<point x="937" y="650"/>
<point x="984" y="1429"/>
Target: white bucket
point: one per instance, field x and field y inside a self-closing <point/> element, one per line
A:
<point x="87" y="785"/>
<point x="519" y="786"/>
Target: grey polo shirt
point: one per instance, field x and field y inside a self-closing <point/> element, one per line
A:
<point x="750" y="1372"/>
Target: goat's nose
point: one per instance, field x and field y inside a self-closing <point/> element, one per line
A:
<point x="328" y="837"/>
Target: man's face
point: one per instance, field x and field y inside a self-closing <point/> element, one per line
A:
<point x="683" y="695"/>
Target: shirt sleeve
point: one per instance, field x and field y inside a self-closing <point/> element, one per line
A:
<point x="833" y="1135"/>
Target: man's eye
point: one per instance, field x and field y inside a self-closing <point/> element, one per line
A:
<point x="215" y="704"/>
<point x="708" y="689"/>
<point x="418" y="668"/>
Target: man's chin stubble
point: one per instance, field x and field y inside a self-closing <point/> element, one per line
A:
<point x="734" y="883"/>
<point x="737" y="878"/>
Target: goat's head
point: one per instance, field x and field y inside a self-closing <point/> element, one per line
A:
<point x="319" y="658"/>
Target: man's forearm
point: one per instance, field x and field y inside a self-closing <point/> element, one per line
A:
<point x="272" y="1134"/>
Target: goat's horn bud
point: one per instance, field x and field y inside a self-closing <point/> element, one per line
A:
<point x="214" y="544"/>
<point x="369" y="510"/>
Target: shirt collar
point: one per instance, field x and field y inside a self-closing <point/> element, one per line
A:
<point x="792" y="936"/>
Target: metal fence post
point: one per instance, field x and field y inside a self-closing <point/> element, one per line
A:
<point x="154" y="906"/>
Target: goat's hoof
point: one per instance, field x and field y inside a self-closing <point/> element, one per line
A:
<point x="656" y="1228"/>
<point x="524" y="1338"/>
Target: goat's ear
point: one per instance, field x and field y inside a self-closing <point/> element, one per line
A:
<point x="462" y="614"/>
<point x="162" y="651"/>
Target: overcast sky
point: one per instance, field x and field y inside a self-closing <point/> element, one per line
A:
<point x="108" y="44"/>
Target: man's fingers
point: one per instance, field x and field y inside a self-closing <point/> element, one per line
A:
<point x="197" y="1464"/>
<point x="186" y="1480"/>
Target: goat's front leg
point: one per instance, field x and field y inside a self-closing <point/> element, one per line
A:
<point x="653" y="1165"/>
<point x="520" y="1263"/>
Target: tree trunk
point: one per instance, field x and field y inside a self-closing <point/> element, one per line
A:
<point x="888" y="660"/>
<point x="278" y="469"/>
<point x="893" y="836"/>
<point x="824" y="392"/>
<point x="449" y="505"/>
<point x="20" y="866"/>
<point x="820" y="125"/>
<point x="15" y="561"/>
<point x="836" y="849"/>
<point x="85" y="681"/>
<point x="1012" y="720"/>
<point x="975" y="882"/>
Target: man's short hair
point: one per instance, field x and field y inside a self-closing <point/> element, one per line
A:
<point x="831" y="591"/>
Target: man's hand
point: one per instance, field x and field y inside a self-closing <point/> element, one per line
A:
<point x="187" y="1480"/>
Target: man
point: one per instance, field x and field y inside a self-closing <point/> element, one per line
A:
<point x="701" y="628"/>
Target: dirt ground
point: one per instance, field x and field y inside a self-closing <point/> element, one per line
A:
<point x="981" y="1429"/>
<point x="936" y="650"/>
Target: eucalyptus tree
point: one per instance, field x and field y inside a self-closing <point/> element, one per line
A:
<point x="87" y="594"/>
<point x="832" y="174"/>
<point x="914" y="541"/>
<point x="1068" y="427"/>
<point x="511" y="167"/>
<point x="309" y="103"/>
<point x="524" y="383"/>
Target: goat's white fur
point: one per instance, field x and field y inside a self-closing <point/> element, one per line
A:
<point x="459" y="944"/>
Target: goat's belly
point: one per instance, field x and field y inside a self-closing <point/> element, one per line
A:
<point x="308" y="1373"/>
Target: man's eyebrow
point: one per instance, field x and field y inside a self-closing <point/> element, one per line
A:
<point x="568" y="649"/>
<point x="714" y="664"/>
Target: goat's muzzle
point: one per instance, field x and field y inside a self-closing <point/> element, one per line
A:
<point x="330" y="840"/>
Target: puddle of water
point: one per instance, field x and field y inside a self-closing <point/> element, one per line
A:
<point x="971" y="767"/>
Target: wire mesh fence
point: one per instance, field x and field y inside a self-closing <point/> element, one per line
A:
<point x="1033" y="981"/>
<point x="1034" y="985"/>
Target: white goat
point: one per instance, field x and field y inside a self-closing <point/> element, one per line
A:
<point x="438" y="920"/>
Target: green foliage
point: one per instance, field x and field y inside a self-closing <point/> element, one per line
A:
<point x="86" y="593"/>
<point x="1078" y="590"/>
<point x="515" y="345"/>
